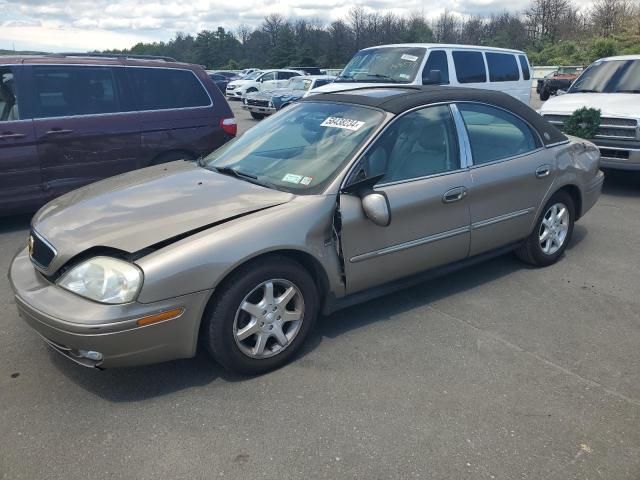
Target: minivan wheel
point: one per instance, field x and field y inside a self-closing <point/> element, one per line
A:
<point x="261" y="316"/>
<point x="257" y="116"/>
<point x="544" y="94"/>
<point x="171" y="157"/>
<point x="552" y="232"/>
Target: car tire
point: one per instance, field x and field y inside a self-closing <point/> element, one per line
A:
<point x="545" y="94"/>
<point x="254" y="344"/>
<point x="556" y="225"/>
<point x="257" y="116"/>
<point x="172" y="157"/>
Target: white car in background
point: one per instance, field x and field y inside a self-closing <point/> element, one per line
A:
<point x="263" y="80"/>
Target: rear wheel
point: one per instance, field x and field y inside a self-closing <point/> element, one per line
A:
<point x="261" y="316"/>
<point x="544" y="94"/>
<point x="552" y="232"/>
<point x="257" y="116"/>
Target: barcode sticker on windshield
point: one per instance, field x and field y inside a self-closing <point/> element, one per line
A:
<point x="411" y="58"/>
<point x="345" y="123"/>
<point x="292" y="178"/>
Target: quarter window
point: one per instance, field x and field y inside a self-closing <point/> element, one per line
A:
<point x="71" y="91"/>
<point x="416" y="145"/>
<point x="437" y="62"/>
<point x="469" y="67"/>
<point x="526" y="72"/>
<point x="167" y="88"/>
<point x="8" y="96"/>
<point x="495" y="134"/>
<point x="502" y="67"/>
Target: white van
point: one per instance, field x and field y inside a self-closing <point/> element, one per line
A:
<point x="438" y="64"/>
<point x="611" y="85"/>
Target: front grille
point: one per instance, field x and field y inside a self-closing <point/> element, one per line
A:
<point x="614" y="154"/>
<point x="610" y="127"/>
<point x="257" y="103"/>
<point x="40" y="251"/>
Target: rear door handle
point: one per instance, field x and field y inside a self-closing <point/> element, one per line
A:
<point x="58" y="131"/>
<point x="454" y="195"/>
<point x="7" y="136"/>
<point x="543" y="171"/>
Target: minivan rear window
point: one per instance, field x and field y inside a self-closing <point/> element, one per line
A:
<point x="502" y="67"/>
<point x="469" y="67"/>
<point x="74" y="90"/>
<point x="167" y="88"/>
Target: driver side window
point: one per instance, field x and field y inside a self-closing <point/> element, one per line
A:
<point x="416" y="145"/>
<point x="8" y="96"/>
<point x="268" y="76"/>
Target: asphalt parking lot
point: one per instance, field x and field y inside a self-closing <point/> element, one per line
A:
<point x="499" y="371"/>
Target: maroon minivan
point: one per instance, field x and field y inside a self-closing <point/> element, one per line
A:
<point x="67" y="120"/>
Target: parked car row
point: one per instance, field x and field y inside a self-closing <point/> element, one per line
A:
<point x="561" y="79"/>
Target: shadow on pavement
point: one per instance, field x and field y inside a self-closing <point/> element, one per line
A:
<point x="622" y="183"/>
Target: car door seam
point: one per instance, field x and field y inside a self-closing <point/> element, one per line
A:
<point x="501" y="218"/>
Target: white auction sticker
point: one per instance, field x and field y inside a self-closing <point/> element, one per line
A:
<point x="291" y="178"/>
<point x="306" y="180"/>
<point x="346" y="123"/>
<point x="411" y="58"/>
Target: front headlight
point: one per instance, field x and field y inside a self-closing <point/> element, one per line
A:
<point x="104" y="279"/>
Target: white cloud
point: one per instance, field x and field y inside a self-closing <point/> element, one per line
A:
<point x="100" y="24"/>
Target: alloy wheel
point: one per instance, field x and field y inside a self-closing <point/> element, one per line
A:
<point x="554" y="228"/>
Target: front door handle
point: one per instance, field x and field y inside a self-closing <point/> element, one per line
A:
<point x="58" y="131"/>
<point x="543" y="171"/>
<point x="454" y="195"/>
<point x="6" y="136"/>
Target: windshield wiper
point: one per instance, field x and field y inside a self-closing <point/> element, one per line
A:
<point x="584" y="90"/>
<point x="383" y="77"/>
<point x="627" y="91"/>
<point x="249" y="177"/>
<point x="344" y="78"/>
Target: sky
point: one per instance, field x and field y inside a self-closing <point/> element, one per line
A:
<point x="81" y="25"/>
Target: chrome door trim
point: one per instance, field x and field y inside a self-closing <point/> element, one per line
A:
<point x="413" y="243"/>
<point x="466" y="158"/>
<point x="501" y="218"/>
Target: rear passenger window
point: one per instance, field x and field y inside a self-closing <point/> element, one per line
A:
<point x="71" y="91"/>
<point x="469" y="67"/>
<point x="526" y="72"/>
<point x="286" y="75"/>
<point x="8" y="96"/>
<point x="167" y="88"/>
<point x="502" y="67"/>
<point x="495" y="134"/>
<point x="437" y="62"/>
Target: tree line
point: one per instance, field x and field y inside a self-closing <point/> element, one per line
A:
<point x="553" y="32"/>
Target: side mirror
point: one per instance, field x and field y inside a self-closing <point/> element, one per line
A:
<point x="434" y="78"/>
<point x="376" y="208"/>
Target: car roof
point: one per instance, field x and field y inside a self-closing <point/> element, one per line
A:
<point x="281" y="70"/>
<point x="619" y="57"/>
<point x="448" y="45"/>
<point x="318" y="77"/>
<point x="399" y="99"/>
<point x="89" y="59"/>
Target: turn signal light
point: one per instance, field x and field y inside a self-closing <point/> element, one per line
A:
<point x="229" y="126"/>
<point x="160" y="317"/>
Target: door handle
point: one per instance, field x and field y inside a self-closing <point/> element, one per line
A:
<point x="543" y="171"/>
<point x="454" y="195"/>
<point x="58" y="131"/>
<point x="6" y="136"/>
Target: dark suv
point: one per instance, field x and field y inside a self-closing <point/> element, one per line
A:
<point x="68" y="120"/>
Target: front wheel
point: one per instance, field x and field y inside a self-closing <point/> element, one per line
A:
<point x="545" y="94"/>
<point x="261" y="316"/>
<point x="551" y="234"/>
<point x="257" y="116"/>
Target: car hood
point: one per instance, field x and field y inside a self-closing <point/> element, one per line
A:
<point x="339" y="86"/>
<point x="610" y="104"/>
<point x="141" y="208"/>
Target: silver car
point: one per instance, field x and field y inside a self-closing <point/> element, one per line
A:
<point x="336" y="199"/>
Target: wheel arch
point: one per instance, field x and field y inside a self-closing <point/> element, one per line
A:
<point x="576" y="195"/>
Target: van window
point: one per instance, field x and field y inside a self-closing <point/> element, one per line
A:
<point x="469" y="67"/>
<point x="267" y="77"/>
<point x="167" y="88"/>
<point x="437" y="61"/>
<point x="502" y="67"/>
<point x="526" y="72"/>
<point x="495" y="134"/>
<point x="8" y="96"/>
<point x="286" y="75"/>
<point x="74" y="90"/>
